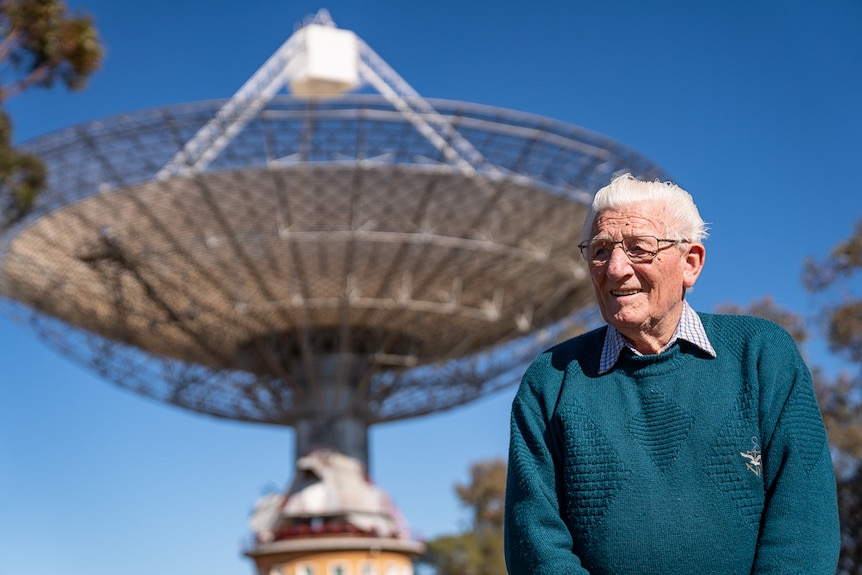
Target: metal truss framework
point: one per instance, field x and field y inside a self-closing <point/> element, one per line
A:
<point x="277" y="72"/>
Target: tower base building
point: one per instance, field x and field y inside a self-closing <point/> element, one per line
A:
<point x="331" y="521"/>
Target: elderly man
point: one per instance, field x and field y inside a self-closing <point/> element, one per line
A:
<point x="668" y="441"/>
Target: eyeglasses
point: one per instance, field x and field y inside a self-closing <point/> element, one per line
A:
<point x="639" y="249"/>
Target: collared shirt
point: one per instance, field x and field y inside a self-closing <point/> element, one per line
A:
<point x="690" y="328"/>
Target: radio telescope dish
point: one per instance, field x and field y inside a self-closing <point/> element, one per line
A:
<point x="323" y="261"/>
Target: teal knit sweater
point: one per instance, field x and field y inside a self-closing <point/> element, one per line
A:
<point x="671" y="463"/>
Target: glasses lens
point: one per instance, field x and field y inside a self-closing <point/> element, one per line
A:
<point x="641" y="248"/>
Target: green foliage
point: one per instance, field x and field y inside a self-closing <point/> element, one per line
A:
<point x="40" y="44"/>
<point x="22" y="177"/>
<point x="850" y="514"/>
<point x="841" y="317"/>
<point x="43" y="43"/>
<point x="480" y="550"/>
<point x="833" y="277"/>
<point x="843" y="262"/>
<point x="470" y="553"/>
<point x="485" y="494"/>
<point x="845" y="329"/>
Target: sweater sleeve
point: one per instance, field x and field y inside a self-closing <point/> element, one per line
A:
<point x="537" y="539"/>
<point x="799" y="525"/>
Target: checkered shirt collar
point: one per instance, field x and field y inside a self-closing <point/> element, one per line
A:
<point x="690" y="329"/>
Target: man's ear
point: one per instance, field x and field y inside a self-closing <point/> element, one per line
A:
<point x="693" y="264"/>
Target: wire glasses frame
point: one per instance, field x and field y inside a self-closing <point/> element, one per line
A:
<point x="639" y="249"/>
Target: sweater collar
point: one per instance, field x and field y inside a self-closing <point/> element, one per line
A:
<point x="690" y="329"/>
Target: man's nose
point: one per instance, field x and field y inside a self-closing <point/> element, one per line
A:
<point x="619" y="261"/>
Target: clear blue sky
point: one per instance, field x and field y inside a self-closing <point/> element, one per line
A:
<point x="753" y="106"/>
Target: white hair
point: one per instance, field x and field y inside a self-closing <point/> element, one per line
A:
<point x="681" y="216"/>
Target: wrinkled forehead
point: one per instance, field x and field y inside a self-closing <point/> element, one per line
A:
<point x="642" y="218"/>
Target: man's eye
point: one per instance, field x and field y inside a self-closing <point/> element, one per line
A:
<point x="601" y="249"/>
<point x="640" y="246"/>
